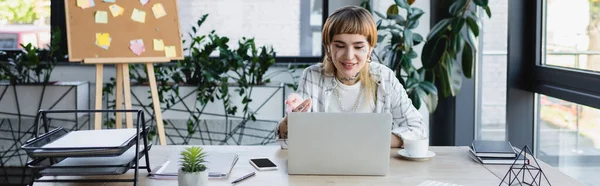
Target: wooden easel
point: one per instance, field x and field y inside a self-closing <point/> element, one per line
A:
<point x="124" y="88"/>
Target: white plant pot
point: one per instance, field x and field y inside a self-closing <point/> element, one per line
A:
<point x="192" y="178"/>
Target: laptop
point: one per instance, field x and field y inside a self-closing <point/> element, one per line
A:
<point x="339" y="143"/>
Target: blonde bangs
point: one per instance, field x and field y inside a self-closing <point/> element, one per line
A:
<point x="350" y="20"/>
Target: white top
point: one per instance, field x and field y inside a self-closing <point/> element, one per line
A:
<point x="348" y="97"/>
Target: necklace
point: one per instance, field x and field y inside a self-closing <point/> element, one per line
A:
<point x="337" y="93"/>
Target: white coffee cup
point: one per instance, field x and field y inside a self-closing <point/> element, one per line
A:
<point x="416" y="146"/>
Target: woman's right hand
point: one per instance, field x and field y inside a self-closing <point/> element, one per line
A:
<point x="294" y="103"/>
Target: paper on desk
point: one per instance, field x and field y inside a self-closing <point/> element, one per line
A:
<point x="101" y="17"/>
<point x="137" y="46"/>
<point x="138" y="15"/>
<point x="170" y="51"/>
<point x="158" y="10"/>
<point x="116" y="10"/>
<point x="436" y="183"/>
<point x="159" y="45"/>
<point x="144" y="2"/>
<point x="93" y="138"/>
<point x="109" y="1"/>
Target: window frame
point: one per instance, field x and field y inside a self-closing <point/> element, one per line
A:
<point x="528" y="75"/>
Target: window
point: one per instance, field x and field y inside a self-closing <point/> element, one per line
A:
<point x="568" y="138"/>
<point x="291" y="27"/>
<point x="572" y="41"/>
<point x="24" y="22"/>
<point x="491" y="122"/>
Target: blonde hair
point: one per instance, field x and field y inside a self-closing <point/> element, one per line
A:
<point x="351" y="20"/>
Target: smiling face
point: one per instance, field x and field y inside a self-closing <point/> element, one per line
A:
<point x="349" y="53"/>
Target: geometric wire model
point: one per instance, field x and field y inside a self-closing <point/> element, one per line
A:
<point x="518" y="178"/>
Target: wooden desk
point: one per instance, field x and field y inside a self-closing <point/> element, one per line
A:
<point x="451" y="165"/>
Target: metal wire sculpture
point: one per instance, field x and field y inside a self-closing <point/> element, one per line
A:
<point x="516" y="173"/>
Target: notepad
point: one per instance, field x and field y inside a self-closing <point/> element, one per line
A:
<point x="219" y="165"/>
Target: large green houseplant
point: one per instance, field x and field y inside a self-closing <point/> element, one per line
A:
<point x="448" y="54"/>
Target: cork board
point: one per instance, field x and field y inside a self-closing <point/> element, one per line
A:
<point x="82" y="30"/>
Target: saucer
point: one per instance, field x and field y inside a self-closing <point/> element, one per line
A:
<point x="403" y="153"/>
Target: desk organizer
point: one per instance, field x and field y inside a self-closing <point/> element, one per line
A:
<point x="56" y="153"/>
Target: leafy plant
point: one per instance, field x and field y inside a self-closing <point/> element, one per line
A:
<point x="192" y="159"/>
<point x="444" y="44"/>
<point x="451" y="46"/>
<point x="396" y="40"/>
<point x="32" y="65"/>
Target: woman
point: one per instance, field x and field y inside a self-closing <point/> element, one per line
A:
<point x="347" y="81"/>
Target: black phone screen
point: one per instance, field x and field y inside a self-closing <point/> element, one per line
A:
<point x="263" y="162"/>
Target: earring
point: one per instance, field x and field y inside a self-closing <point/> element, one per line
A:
<point x="369" y="60"/>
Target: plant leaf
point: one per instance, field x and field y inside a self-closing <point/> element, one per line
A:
<point x="457" y="25"/>
<point x="399" y="20"/>
<point x="402" y="3"/>
<point x="433" y="52"/>
<point x="428" y="87"/>
<point x="417" y="39"/>
<point x="482" y="3"/>
<point x="392" y="10"/>
<point x="473" y="26"/>
<point x="456" y="7"/>
<point x="468" y="56"/>
<point x="380" y="15"/>
<point x="201" y="20"/>
<point x="416" y="14"/>
<point x="416" y="100"/>
<point x="444" y="81"/>
<point x="439" y="28"/>
<point x="457" y="44"/>
<point x="408" y="39"/>
<point x="412" y="54"/>
<point x="455" y="75"/>
<point x="413" y="24"/>
<point x="432" y="102"/>
<point x="488" y="11"/>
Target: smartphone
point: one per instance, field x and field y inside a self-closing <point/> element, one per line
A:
<point x="262" y="164"/>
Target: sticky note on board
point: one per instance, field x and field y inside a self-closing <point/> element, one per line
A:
<point x="138" y="15"/>
<point x="109" y="1"/>
<point x="103" y="40"/>
<point x="101" y="17"/>
<point x="159" y="45"/>
<point x="116" y="10"/>
<point x="85" y="3"/>
<point x="159" y="10"/>
<point x="144" y="2"/>
<point x="137" y="46"/>
<point x="170" y="51"/>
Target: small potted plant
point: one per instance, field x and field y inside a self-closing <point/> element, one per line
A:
<point x="193" y="172"/>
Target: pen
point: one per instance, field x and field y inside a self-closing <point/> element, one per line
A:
<point x="243" y="178"/>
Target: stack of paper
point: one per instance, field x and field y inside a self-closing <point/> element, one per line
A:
<point x="436" y="183"/>
<point x="219" y="165"/>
